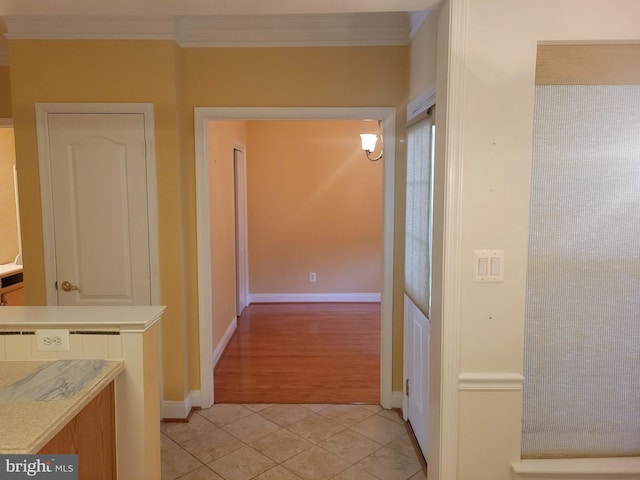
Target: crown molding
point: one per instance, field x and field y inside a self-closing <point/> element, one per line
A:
<point x="173" y="8"/>
<point x="89" y="28"/>
<point x="340" y="29"/>
<point x="359" y="29"/>
<point x="417" y="19"/>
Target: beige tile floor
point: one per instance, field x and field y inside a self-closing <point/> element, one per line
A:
<point x="289" y="442"/>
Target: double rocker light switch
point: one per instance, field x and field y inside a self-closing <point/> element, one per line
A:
<point x="488" y="266"/>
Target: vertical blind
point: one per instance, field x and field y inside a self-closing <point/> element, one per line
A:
<point x="582" y="331"/>
<point x="417" y="267"/>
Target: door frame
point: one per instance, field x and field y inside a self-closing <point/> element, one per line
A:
<point x="242" y="237"/>
<point x="202" y="116"/>
<point x="46" y="198"/>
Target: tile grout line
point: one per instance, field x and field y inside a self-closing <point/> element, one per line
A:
<point x="313" y="413"/>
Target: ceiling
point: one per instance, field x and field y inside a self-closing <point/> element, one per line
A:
<point x="205" y="7"/>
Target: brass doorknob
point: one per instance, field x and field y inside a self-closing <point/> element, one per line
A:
<point x="68" y="287"/>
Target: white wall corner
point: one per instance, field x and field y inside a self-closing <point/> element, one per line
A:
<point x="222" y="344"/>
<point x="397" y="398"/>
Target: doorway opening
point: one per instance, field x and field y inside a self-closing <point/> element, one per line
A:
<point x="202" y="118"/>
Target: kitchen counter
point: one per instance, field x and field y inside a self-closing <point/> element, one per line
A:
<point x="129" y="334"/>
<point x="134" y="318"/>
<point x="9" y="268"/>
<point x="37" y="399"/>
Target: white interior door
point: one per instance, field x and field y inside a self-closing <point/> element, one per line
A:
<point x="100" y="212"/>
<point x="416" y="358"/>
<point x="242" y="267"/>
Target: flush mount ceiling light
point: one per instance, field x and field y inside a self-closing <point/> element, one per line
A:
<point x="369" y="141"/>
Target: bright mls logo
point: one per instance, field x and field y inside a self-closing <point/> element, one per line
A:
<point x="50" y="467"/>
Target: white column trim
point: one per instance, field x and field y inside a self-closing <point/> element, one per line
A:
<point x="452" y="254"/>
<point x="203" y="251"/>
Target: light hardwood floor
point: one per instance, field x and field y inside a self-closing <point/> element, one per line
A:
<point x="302" y="353"/>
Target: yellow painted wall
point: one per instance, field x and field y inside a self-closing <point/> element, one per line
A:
<point x="500" y="40"/>
<point x="314" y="205"/>
<point x="223" y="137"/>
<point x="108" y="71"/>
<point x="5" y="92"/>
<point x="8" y="221"/>
<point x="177" y="80"/>
<point x="300" y="77"/>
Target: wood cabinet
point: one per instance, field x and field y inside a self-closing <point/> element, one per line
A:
<point x="91" y="435"/>
<point x="11" y="287"/>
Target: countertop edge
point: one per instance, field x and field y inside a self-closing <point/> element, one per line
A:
<point x="113" y="370"/>
<point x="133" y="319"/>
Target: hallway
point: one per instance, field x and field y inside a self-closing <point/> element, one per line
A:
<point x="289" y="442"/>
<point x="302" y="353"/>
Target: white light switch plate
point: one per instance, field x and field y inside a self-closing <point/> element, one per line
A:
<point x="488" y="266"/>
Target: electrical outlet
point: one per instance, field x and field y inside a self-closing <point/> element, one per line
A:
<point x="312" y="277"/>
<point x="53" y="340"/>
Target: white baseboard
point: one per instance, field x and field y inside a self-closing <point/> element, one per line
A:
<point x="577" y="469"/>
<point x="396" y="399"/>
<point x="313" y="297"/>
<point x="195" y="398"/>
<point x="222" y="344"/>
<point x="177" y="409"/>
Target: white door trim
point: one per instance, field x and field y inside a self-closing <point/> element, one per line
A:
<point x="202" y="115"/>
<point x="42" y="129"/>
<point x="242" y="234"/>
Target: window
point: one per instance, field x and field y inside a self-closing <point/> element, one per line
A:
<point x="582" y="331"/>
<point x="418" y="220"/>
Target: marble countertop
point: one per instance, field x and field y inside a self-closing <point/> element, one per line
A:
<point x="134" y="318"/>
<point x="37" y="399"/>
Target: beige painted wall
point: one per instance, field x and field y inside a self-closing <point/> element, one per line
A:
<point x="423" y="55"/>
<point x="500" y="40"/>
<point x="176" y="80"/>
<point x="223" y="137"/>
<point x="314" y="205"/>
<point x="8" y="221"/>
<point x="5" y="92"/>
